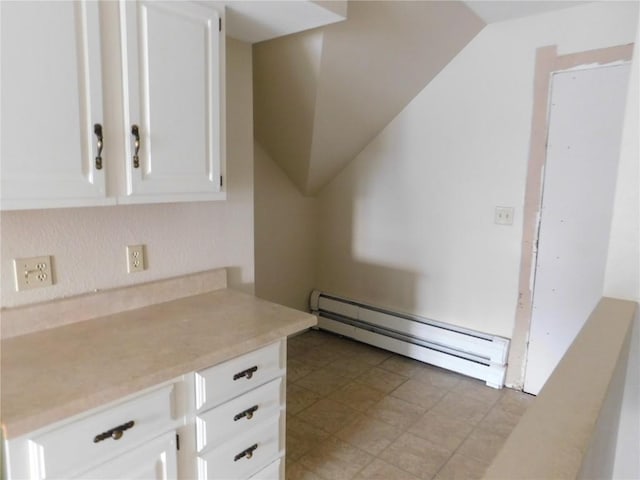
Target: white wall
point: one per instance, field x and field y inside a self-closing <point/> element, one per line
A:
<point x="623" y="273"/>
<point x="409" y="223"/>
<point x="623" y="268"/>
<point x="88" y="244"/>
<point x="285" y="236"/>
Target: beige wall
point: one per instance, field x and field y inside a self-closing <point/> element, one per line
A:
<point x="88" y="244"/>
<point x="285" y="75"/>
<point x="569" y="431"/>
<point x="627" y="461"/>
<point x="409" y="223"/>
<point x="322" y="95"/>
<point x="286" y="236"/>
<point x="373" y="64"/>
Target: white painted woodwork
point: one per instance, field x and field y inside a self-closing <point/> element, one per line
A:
<point x="70" y="448"/>
<point x="55" y="57"/>
<point x="271" y="472"/>
<point x="220" y="463"/>
<point x="219" y="424"/>
<point x="220" y="438"/>
<point x="171" y="57"/>
<point x="258" y="21"/>
<point x="492" y="12"/>
<point x="491" y="347"/>
<point x="585" y="125"/>
<point x="155" y="460"/>
<point x="67" y="448"/>
<point x="492" y="374"/>
<point x="51" y="98"/>
<point x="217" y="384"/>
<point x="465" y="351"/>
<point x="149" y="449"/>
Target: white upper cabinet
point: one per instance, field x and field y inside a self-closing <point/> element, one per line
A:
<point x="61" y="67"/>
<point x="51" y="100"/>
<point x="171" y="57"/>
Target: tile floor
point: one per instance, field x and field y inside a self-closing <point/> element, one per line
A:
<point x="358" y="412"/>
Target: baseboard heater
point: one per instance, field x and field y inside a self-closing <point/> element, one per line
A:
<point x="468" y="352"/>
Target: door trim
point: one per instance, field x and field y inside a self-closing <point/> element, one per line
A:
<point x="547" y="62"/>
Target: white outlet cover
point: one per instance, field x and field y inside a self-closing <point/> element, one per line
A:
<point x="135" y="258"/>
<point x="503" y="216"/>
<point x="32" y="272"/>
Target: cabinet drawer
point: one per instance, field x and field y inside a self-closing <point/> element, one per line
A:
<point x="76" y="446"/>
<point x="235" y="417"/>
<point x="271" y="472"/>
<point x="234" y="377"/>
<point x="243" y="456"/>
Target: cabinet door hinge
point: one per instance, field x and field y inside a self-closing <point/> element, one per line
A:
<point x="177" y="442"/>
<point x="219" y="24"/>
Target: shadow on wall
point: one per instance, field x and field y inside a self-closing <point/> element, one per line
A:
<point x="341" y="267"/>
<point x="286" y="235"/>
<point x="377" y="285"/>
<point x="289" y="233"/>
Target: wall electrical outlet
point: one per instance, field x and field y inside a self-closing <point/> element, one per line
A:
<point x="135" y="258"/>
<point x="504" y="216"/>
<point x="33" y="272"/>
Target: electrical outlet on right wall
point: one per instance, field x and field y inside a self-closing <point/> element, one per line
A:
<point x="503" y="216"/>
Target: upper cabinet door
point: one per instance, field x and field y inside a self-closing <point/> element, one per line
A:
<point x="172" y="67"/>
<point x="51" y="98"/>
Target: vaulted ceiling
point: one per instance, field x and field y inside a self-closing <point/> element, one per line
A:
<point x="320" y="96"/>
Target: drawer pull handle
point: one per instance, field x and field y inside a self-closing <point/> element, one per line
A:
<point x="248" y="453"/>
<point x="97" y="129"/>
<point x="136" y="145"/>
<point x="247" y="413"/>
<point x="115" y="433"/>
<point x="246" y="373"/>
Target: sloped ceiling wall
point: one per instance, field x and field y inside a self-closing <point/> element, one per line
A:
<point x="285" y="81"/>
<point x="320" y="96"/>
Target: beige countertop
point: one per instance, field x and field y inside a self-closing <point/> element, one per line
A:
<point x="56" y="373"/>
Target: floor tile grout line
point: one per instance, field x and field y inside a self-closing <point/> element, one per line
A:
<point x="466" y="438"/>
<point x="373" y="457"/>
<point x="406" y="375"/>
<point x="407" y="431"/>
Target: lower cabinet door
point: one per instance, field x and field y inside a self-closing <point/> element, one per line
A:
<point x="156" y="459"/>
<point x="78" y="445"/>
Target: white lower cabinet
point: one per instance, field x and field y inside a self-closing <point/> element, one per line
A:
<point x="242" y="457"/>
<point x="240" y="418"/>
<point x="77" y="445"/>
<point x="229" y="417"/>
<point x="156" y="460"/>
<point x="236" y="416"/>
